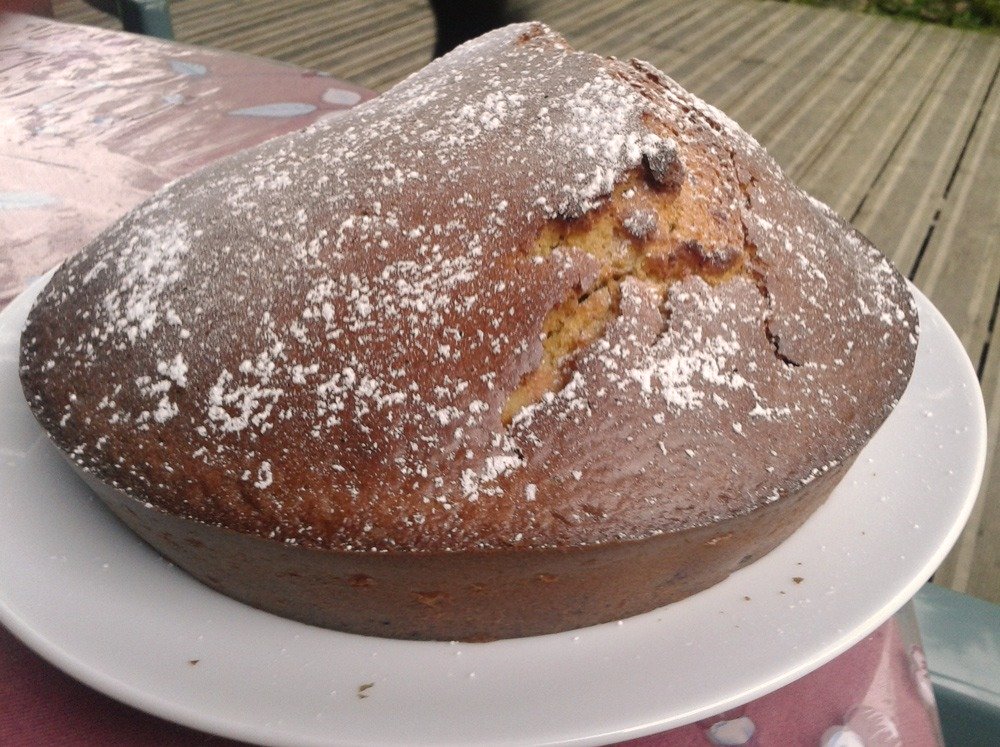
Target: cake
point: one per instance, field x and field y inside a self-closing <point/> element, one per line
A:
<point x="533" y="341"/>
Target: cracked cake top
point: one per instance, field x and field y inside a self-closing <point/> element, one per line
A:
<point x="529" y="297"/>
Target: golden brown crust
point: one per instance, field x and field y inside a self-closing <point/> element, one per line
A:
<point x="529" y="298"/>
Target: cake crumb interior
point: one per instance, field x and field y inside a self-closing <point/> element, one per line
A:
<point x="642" y="231"/>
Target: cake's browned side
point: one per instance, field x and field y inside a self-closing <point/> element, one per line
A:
<point x="481" y="596"/>
<point x="534" y="340"/>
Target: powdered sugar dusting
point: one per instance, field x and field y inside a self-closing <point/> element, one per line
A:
<point x="333" y="322"/>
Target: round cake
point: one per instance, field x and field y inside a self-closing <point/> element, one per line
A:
<point x="532" y="341"/>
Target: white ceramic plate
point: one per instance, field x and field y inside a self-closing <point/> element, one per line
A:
<point x="81" y="590"/>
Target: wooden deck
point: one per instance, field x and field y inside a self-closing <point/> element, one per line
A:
<point x="895" y="124"/>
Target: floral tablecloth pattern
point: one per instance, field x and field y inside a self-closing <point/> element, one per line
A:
<point x="92" y="122"/>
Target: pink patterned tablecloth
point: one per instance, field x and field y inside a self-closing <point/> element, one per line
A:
<point x="95" y="121"/>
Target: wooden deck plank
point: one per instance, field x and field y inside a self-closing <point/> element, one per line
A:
<point x="583" y="26"/>
<point x="684" y="48"/>
<point x="730" y="27"/>
<point x="400" y="52"/>
<point x="902" y="203"/>
<point x="801" y="99"/>
<point x="208" y="21"/>
<point x="245" y="29"/>
<point x="752" y="69"/>
<point x="840" y="171"/>
<point x="960" y="272"/>
<point x="568" y="16"/>
<point x="749" y="43"/>
<point x="565" y="15"/>
<point x="647" y="22"/>
<point x="974" y="565"/>
<point x="577" y="20"/>
<point x="276" y="30"/>
<point x="76" y="11"/>
<point x="818" y="116"/>
<point x="213" y="23"/>
<point x="404" y="47"/>
<point x="315" y="44"/>
<point x="311" y="41"/>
